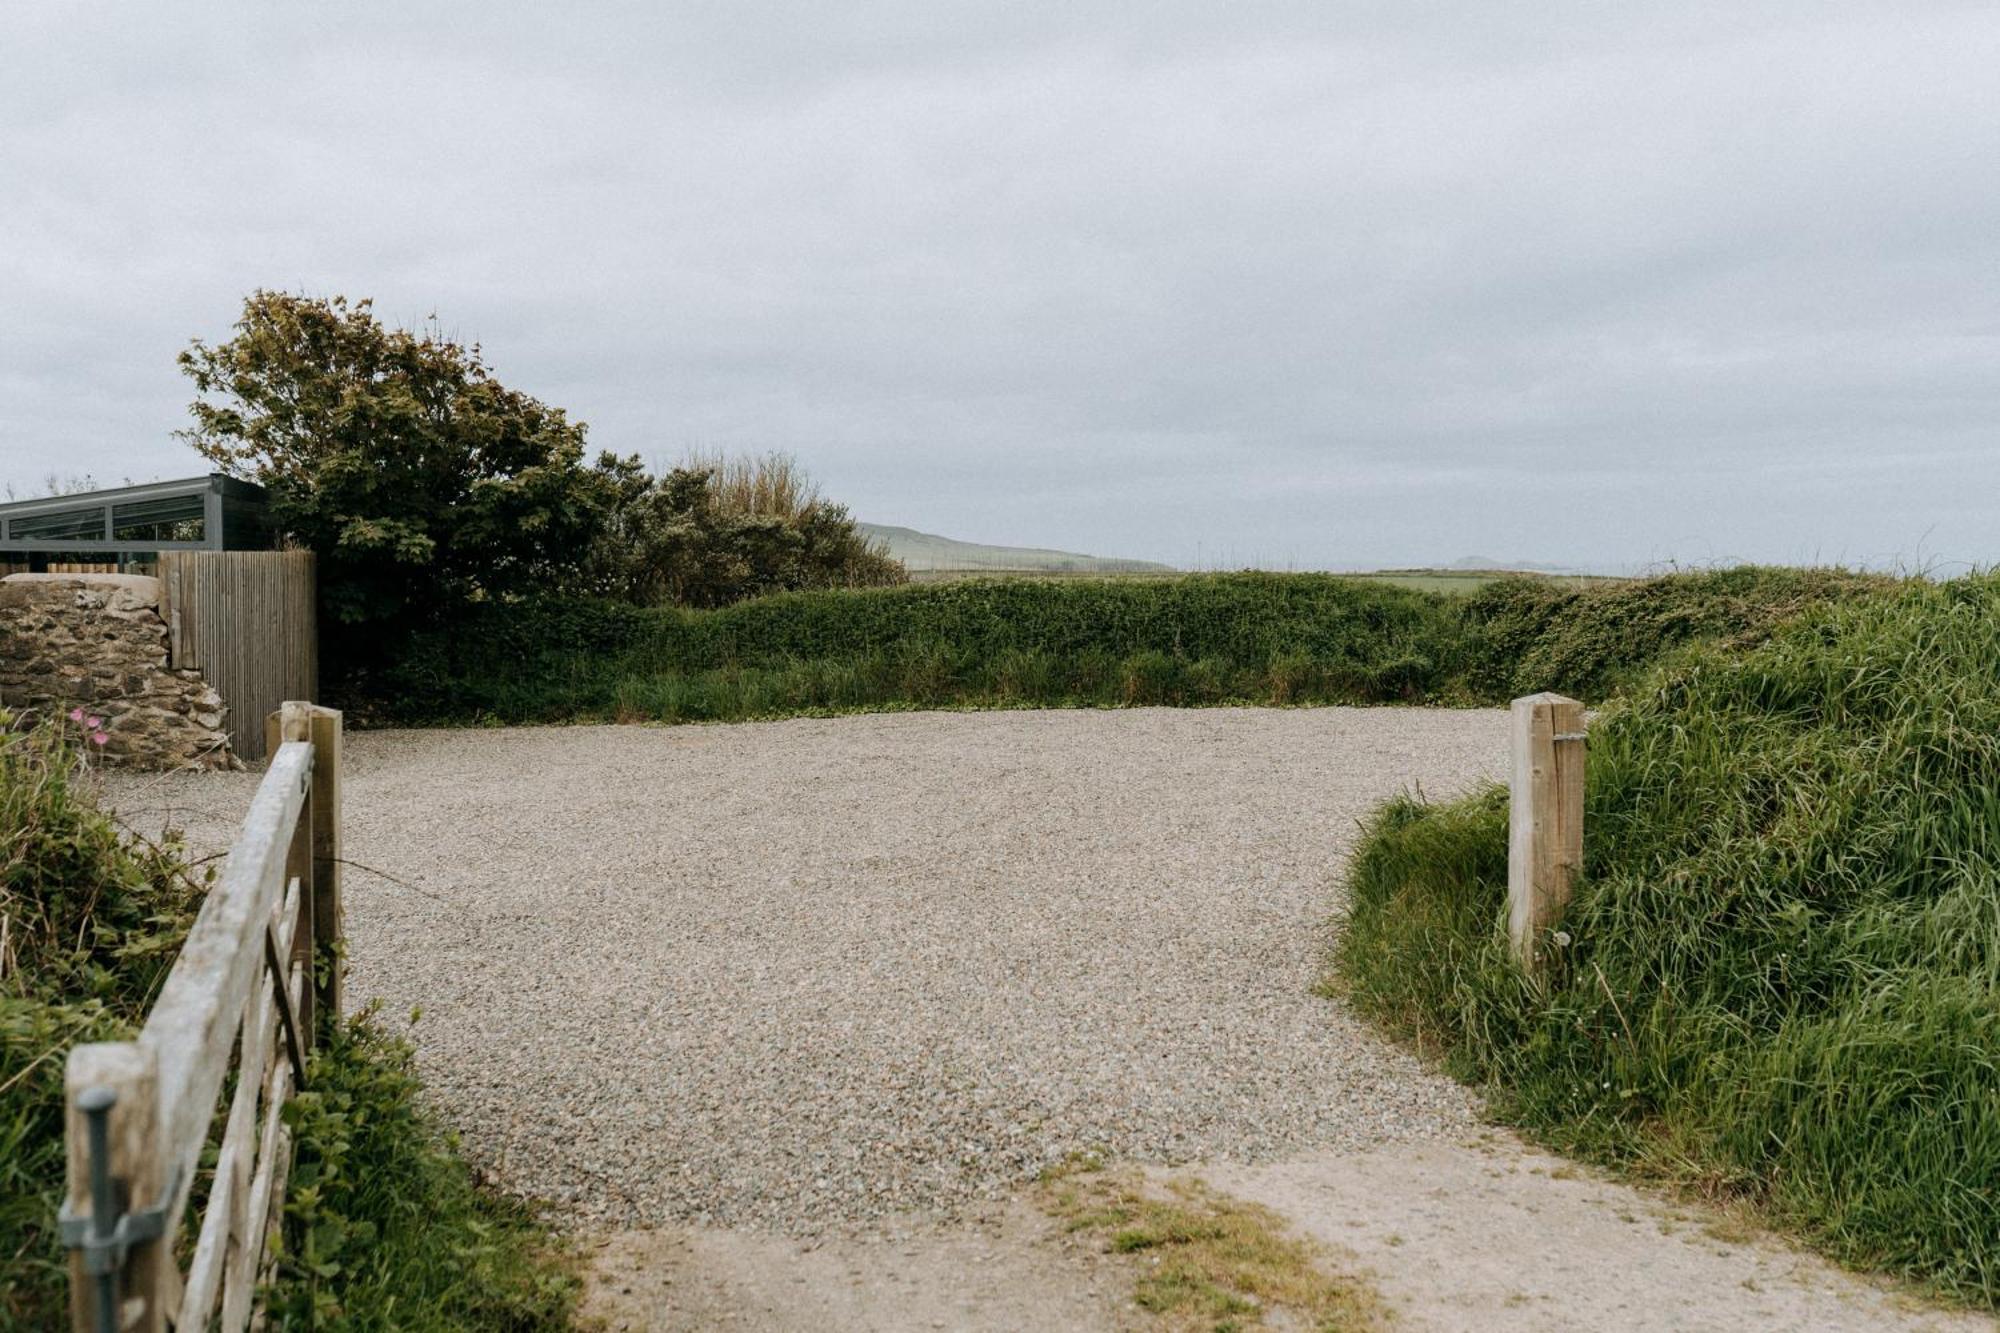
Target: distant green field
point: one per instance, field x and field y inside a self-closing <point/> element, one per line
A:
<point x="1447" y="582"/>
<point x="1465" y="582"/>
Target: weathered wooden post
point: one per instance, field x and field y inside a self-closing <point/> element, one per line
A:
<point x="1545" y="822"/>
<point x="322" y="925"/>
<point x="329" y="930"/>
<point x="114" y="1213"/>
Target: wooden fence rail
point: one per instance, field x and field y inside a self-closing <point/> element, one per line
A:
<point x="260" y="965"/>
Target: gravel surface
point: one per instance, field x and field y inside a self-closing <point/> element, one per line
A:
<point x="813" y="972"/>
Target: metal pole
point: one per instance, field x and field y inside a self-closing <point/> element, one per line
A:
<point x="96" y="1104"/>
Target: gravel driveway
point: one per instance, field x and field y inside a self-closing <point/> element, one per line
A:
<point x="812" y="972"/>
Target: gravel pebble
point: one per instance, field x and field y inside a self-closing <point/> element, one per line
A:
<point x="823" y="971"/>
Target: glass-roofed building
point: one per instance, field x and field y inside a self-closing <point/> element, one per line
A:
<point x="129" y="527"/>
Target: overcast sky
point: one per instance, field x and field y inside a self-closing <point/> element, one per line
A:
<point x="1313" y="284"/>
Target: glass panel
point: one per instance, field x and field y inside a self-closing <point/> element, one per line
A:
<point x="172" y="518"/>
<point x="60" y="525"/>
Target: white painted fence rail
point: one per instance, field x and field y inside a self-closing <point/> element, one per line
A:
<point x="261" y="962"/>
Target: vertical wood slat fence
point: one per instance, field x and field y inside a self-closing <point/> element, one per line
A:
<point x="246" y="621"/>
<point x="259" y="967"/>
<point x="1544" y="821"/>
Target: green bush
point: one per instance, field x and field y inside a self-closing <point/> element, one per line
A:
<point x="1781" y="975"/>
<point x="419" y="479"/>
<point x="1200" y="639"/>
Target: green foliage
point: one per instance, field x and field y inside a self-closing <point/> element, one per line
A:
<point x="425" y="486"/>
<point x="1782" y="972"/>
<point x="386" y="1227"/>
<point x="92" y="920"/>
<point x="1193" y="640"/>
<point x="1530" y="634"/>
<point x="1203" y="639"/>
<point x="687" y="539"/>
<point x="421" y="481"/>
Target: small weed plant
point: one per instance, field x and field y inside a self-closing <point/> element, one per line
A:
<point x="1205" y="1261"/>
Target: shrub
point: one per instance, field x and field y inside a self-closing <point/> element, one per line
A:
<point x="1783" y="971"/>
<point x="1528" y="634"/>
<point x="716" y="532"/>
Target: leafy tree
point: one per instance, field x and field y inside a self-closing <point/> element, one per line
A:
<point x="421" y="481"/>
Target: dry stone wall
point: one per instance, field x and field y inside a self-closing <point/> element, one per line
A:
<point x="98" y="642"/>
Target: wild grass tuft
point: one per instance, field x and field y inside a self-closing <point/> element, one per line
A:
<point x="1782" y="980"/>
<point x="1205" y="1261"/>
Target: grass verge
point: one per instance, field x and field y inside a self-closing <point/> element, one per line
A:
<point x="386" y="1226"/>
<point x="1206" y="1261"/>
<point x="1779" y="980"/>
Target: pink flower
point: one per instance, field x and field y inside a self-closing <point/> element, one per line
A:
<point x="99" y="737"/>
<point x="76" y="715"/>
<point x="93" y="722"/>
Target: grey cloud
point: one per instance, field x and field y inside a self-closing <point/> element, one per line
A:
<point x="1308" y="283"/>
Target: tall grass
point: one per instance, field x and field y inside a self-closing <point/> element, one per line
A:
<point x="1195" y="640"/>
<point x="91" y="923"/>
<point x="1782" y="975"/>
<point x="768" y="485"/>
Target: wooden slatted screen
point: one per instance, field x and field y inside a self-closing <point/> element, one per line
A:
<point x="246" y="621"/>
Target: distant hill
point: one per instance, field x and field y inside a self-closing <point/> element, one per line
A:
<point x="925" y="552"/>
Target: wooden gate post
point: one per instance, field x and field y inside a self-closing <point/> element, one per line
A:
<point x="323" y="727"/>
<point x="1545" y="819"/>
<point x="329" y="933"/>
<point x="138" y="1169"/>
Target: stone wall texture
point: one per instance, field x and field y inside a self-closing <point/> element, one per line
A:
<point x="97" y="642"/>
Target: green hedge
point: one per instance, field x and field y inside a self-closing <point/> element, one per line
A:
<point x="1201" y="639"/>
<point x="1205" y="639"/>
<point x="1782" y="970"/>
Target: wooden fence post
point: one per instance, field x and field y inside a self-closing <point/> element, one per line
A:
<point x="137" y="1167"/>
<point x="1545" y="820"/>
<point x="295" y="724"/>
<point x="323" y="727"/>
<point x="329" y="932"/>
